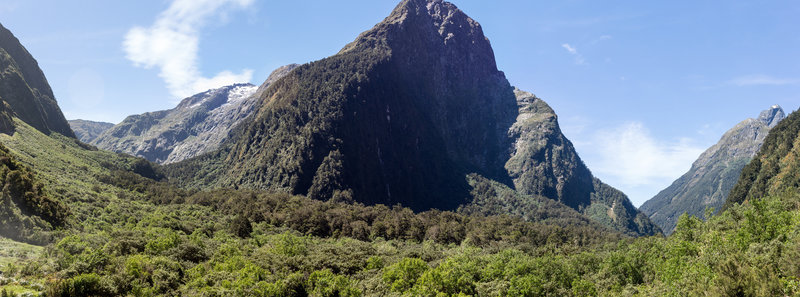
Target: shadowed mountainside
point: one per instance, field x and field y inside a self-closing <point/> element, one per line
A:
<point x="24" y="91"/>
<point x="402" y="115"/>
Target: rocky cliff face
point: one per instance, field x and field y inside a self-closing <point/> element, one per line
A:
<point x="401" y="115"/>
<point x="544" y="162"/>
<point x="713" y="174"/>
<point x="87" y="131"/>
<point x="199" y="124"/>
<point x="24" y="90"/>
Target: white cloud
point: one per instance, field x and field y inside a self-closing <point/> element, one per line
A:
<point x="574" y="52"/>
<point x="569" y="48"/>
<point x="760" y="79"/>
<point x="632" y="154"/>
<point x="172" y="45"/>
<point x="630" y="158"/>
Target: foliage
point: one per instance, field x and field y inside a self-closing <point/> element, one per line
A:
<point x="27" y="212"/>
<point x="775" y="168"/>
<point x="137" y="236"/>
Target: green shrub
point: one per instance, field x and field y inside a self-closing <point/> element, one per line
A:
<point x="402" y="275"/>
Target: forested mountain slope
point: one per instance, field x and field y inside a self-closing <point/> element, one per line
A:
<point x="402" y="115"/>
<point x="776" y="167"/>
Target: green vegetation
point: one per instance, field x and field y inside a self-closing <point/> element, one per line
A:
<point x="12" y="252"/>
<point x="27" y="213"/>
<point x="115" y="225"/>
<point x="131" y="233"/>
<point x="775" y="168"/>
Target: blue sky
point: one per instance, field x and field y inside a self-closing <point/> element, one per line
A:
<point x="641" y="87"/>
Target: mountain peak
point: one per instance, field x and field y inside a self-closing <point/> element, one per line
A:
<point x="772" y="116"/>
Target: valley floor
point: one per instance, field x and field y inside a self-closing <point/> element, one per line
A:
<point x="135" y="236"/>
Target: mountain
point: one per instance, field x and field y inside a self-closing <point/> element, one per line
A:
<point x="197" y="125"/>
<point x="402" y="115"/>
<point x="544" y="162"/>
<point x="24" y="90"/>
<point x="87" y="131"/>
<point x="713" y="174"/>
<point x="776" y="167"/>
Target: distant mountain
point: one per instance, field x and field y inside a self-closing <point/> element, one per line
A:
<point x="712" y="176"/>
<point x="87" y="131"/>
<point x="197" y="125"/>
<point x="544" y="162"/>
<point x="776" y="167"/>
<point x="24" y="90"/>
<point x="404" y="114"/>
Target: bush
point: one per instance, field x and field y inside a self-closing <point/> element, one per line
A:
<point x="402" y="275"/>
<point x="82" y="285"/>
<point x="323" y="283"/>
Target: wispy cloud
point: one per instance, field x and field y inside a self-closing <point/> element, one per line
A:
<point x="601" y="39"/>
<point x="635" y="158"/>
<point x="172" y="45"/>
<point x="578" y="58"/>
<point x="570" y="49"/>
<point x="629" y="158"/>
<point x="761" y="80"/>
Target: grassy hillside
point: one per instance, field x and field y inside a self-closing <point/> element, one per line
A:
<point x="27" y="212"/>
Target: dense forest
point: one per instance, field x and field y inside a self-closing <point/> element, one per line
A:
<point x="129" y="232"/>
